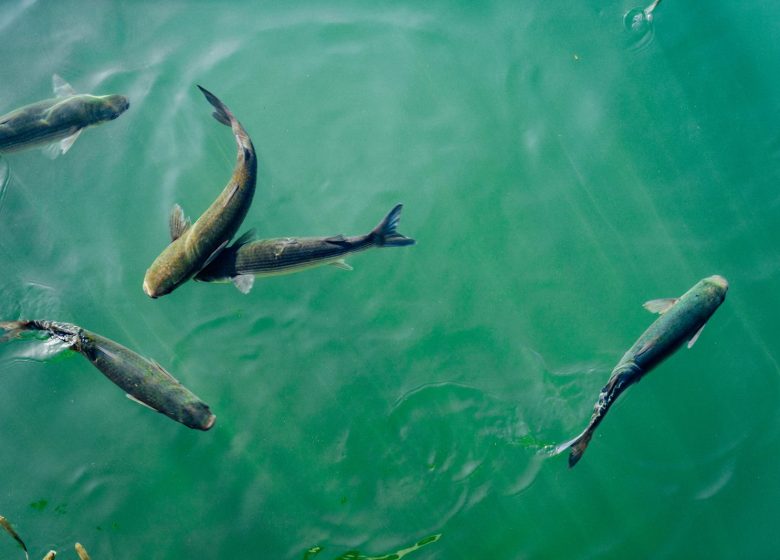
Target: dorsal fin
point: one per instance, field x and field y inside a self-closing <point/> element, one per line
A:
<point x="61" y="87"/>
<point x="178" y="224"/>
<point x="163" y="371"/>
<point x="339" y="240"/>
<point x="246" y="237"/>
<point x="659" y="306"/>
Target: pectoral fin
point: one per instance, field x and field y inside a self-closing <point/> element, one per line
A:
<point x="178" y="223"/>
<point x="341" y="264"/>
<point x="216" y="252"/>
<point x="231" y="194"/>
<point x="132" y="398"/>
<point x="68" y="142"/>
<point x="61" y="87"/>
<point x="61" y="147"/>
<point x="659" y="306"/>
<point x="244" y="282"/>
<point x="695" y="337"/>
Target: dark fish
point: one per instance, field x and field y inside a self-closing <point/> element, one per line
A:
<point x="10" y="530"/>
<point x="245" y="259"/>
<point x="194" y="246"/>
<point x="57" y="122"/>
<point x="681" y="319"/>
<point x="143" y="380"/>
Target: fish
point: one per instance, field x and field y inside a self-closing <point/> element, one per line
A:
<point x="143" y="380"/>
<point x="194" y="246"/>
<point x="56" y="123"/>
<point x="51" y="555"/>
<point x="682" y="319"/>
<point x="10" y="530"/>
<point x="81" y="551"/>
<point x="247" y="258"/>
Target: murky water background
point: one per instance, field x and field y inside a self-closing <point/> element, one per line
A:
<point x="557" y="170"/>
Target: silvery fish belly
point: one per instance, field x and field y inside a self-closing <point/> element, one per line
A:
<point x="682" y="319"/>
<point x="56" y="123"/>
<point x="144" y="380"/>
<point x="194" y="246"/>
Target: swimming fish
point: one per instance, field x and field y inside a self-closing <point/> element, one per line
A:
<point x="57" y="122"/>
<point x="195" y="246"/>
<point x="681" y="319"/>
<point x="246" y="258"/>
<point x="10" y="530"/>
<point x="81" y="551"/>
<point x="144" y="380"/>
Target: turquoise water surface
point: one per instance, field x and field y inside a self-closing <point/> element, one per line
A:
<point x="557" y="170"/>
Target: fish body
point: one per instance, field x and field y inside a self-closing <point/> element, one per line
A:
<point x="81" y="551"/>
<point x="248" y="258"/>
<point x="681" y="320"/>
<point x="142" y="379"/>
<point x="60" y="119"/>
<point x="194" y="246"/>
<point x="10" y="530"/>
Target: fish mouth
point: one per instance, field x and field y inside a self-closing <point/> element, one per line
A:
<point x="209" y="422"/>
<point x="148" y="291"/>
<point x="719" y="281"/>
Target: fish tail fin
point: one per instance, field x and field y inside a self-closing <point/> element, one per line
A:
<point x="578" y="445"/>
<point x="385" y="234"/>
<point x="63" y="331"/>
<point x="15" y="329"/>
<point x="226" y="117"/>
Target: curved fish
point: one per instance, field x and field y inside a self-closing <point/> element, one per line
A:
<point x="59" y="120"/>
<point x="245" y="258"/>
<point x="194" y="246"/>
<point x="681" y="319"/>
<point x="143" y="380"/>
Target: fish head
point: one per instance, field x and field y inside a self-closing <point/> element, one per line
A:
<point x="197" y="415"/>
<point x="109" y="107"/>
<point x="155" y="288"/>
<point x="716" y="286"/>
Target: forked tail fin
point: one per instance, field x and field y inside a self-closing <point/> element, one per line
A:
<point x="577" y="445"/>
<point x="14" y="329"/>
<point x="63" y="331"/>
<point x="385" y="234"/>
<point x="226" y="117"/>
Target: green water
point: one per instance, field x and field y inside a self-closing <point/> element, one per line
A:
<point x="556" y="170"/>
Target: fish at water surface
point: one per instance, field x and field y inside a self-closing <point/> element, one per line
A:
<point x="57" y="123"/>
<point x="143" y="380"/>
<point x="245" y="259"/>
<point x="681" y="319"/>
<point x="193" y="246"/>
